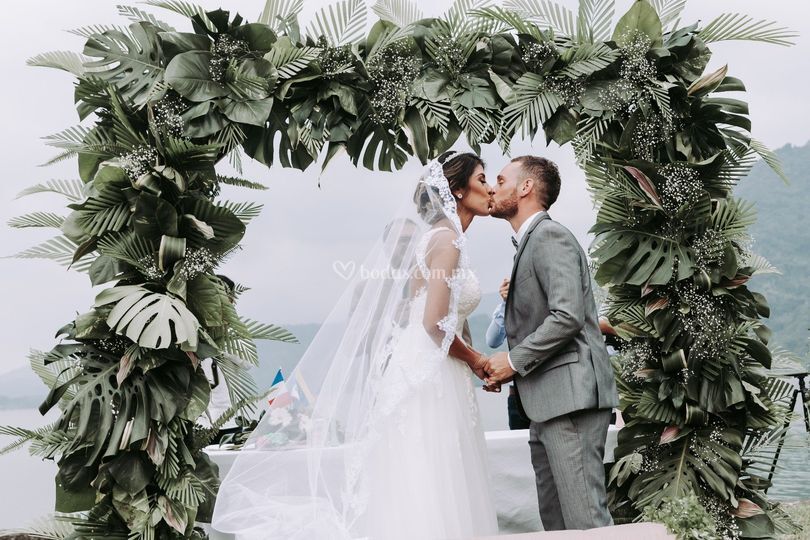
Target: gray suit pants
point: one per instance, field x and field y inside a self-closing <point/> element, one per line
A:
<point x="567" y="454"/>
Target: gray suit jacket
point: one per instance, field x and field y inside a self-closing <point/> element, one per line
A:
<point x="552" y="326"/>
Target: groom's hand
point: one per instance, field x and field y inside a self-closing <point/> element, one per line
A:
<point x="498" y="369"/>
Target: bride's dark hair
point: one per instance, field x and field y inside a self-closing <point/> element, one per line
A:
<point x="457" y="169"/>
<point x="460" y="168"/>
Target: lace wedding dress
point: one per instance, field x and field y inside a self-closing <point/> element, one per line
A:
<point x="378" y="437"/>
<point x="428" y="468"/>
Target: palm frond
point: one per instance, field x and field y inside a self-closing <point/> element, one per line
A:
<point x="65" y="60"/>
<point x="660" y="95"/>
<point x="23" y="436"/>
<point x="241" y="386"/>
<point x="587" y="59"/>
<point x="85" y="140"/>
<point x="241" y="182"/>
<point x="389" y="37"/>
<point x="476" y="124"/>
<point x="289" y="61"/>
<point x="546" y="14"/>
<point x="94" y="30"/>
<point x="760" y="265"/>
<point x="276" y="12"/>
<point x="459" y="20"/>
<point x="595" y="20"/>
<point x="128" y="247"/>
<point x="400" y="12"/>
<point x="134" y="14"/>
<point x="736" y="26"/>
<point x="52" y="527"/>
<point x="245" y="211"/>
<point x="436" y="113"/>
<point x="532" y="105"/>
<point x="589" y="132"/>
<point x="37" y="219"/>
<point x="733" y="217"/>
<point x="770" y="157"/>
<point x="342" y="23"/>
<point x="72" y="189"/>
<point x="53" y="367"/>
<point x="669" y="11"/>
<point x="60" y="249"/>
<point x="272" y="332"/>
<point x="736" y="166"/>
<point x="511" y="19"/>
<point x="187" y="9"/>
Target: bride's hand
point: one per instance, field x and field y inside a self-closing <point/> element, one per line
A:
<point x="478" y="367"/>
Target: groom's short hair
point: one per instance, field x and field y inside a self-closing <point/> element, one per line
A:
<point x="547" y="175"/>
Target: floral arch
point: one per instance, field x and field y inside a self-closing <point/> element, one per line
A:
<point x="661" y="143"/>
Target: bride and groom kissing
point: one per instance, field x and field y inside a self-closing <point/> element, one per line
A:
<point x="557" y="357"/>
<point x="394" y="445"/>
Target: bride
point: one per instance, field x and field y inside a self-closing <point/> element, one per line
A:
<point x="378" y="436"/>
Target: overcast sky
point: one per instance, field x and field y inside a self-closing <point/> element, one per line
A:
<point x="291" y="249"/>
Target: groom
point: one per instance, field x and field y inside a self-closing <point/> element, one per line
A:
<point x="556" y="354"/>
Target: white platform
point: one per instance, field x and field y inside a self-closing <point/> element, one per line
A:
<point x="512" y="478"/>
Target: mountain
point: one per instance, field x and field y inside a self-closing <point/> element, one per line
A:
<point x="780" y="235"/>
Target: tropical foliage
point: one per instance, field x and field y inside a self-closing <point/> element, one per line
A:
<point x="661" y="144"/>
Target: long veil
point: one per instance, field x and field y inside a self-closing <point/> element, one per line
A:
<point x="305" y="472"/>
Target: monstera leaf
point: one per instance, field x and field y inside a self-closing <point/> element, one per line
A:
<point x="152" y="320"/>
<point x="641" y="18"/>
<point x="189" y="73"/>
<point x="131" y="62"/>
<point x="636" y="258"/>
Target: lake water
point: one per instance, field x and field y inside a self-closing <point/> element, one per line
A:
<point x="26" y="482"/>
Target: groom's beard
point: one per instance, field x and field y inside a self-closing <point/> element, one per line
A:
<point x="506" y="208"/>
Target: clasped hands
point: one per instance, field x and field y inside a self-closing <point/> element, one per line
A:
<point x="494" y="371"/>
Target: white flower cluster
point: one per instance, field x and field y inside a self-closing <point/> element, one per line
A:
<point x="167" y="115"/>
<point x="635" y="67"/>
<point x="720" y="511"/>
<point x="682" y="187"/>
<point x="648" y="134"/>
<point x="534" y="55"/>
<point x="334" y="60"/>
<point x="635" y="357"/>
<point x="617" y="95"/>
<point x="138" y="161"/>
<point x="223" y="50"/>
<point x="197" y="261"/>
<point x="149" y="268"/>
<point x="449" y="56"/>
<point x="569" y="90"/>
<point x="392" y="71"/>
<point x="703" y="316"/>
<point x="708" y="248"/>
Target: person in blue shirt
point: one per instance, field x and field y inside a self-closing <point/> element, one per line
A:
<point x="496" y="335"/>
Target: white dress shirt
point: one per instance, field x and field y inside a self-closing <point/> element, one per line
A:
<point x="521" y="232"/>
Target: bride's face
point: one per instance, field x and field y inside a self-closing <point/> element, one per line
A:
<point x="477" y="198"/>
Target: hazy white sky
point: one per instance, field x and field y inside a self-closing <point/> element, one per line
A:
<point x="290" y="250"/>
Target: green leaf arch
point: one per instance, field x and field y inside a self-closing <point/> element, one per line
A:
<point x="661" y="149"/>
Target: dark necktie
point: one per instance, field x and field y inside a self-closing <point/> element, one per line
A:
<point x="514" y="242"/>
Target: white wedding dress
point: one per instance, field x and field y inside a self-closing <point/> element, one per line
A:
<point x="428" y="471"/>
<point x="379" y="435"/>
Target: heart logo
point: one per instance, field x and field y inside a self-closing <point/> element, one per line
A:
<point x="344" y="269"/>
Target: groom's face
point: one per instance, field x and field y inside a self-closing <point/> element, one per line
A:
<point x="505" y="199"/>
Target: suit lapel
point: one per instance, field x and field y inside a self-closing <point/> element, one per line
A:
<point x="543" y="215"/>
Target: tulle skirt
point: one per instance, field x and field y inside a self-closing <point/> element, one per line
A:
<point x="428" y="471"/>
<point x="420" y="473"/>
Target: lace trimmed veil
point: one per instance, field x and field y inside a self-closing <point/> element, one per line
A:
<point x="301" y="474"/>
